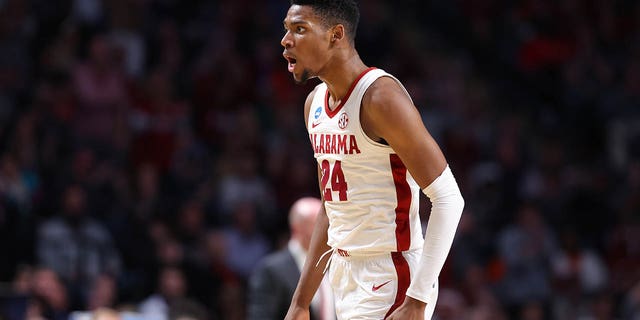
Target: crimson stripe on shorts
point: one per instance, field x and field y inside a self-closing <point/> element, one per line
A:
<point x="404" y="278"/>
<point x="403" y="197"/>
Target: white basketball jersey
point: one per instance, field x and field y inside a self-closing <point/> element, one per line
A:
<point x="370" y="197"/>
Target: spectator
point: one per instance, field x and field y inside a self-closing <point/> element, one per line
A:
<point x="478" y="292"/>
<point x="525" y="247"/>
<point x="241" y="181"/>
<point x="103" y="293"/>
<point x="156" y="117"/>
<point x="171" y="287"/>
<point x="451" y="305"/>
<point x="245" y="244"/>
<point x="101" y="92"/>
<point x="273" y="282"/>
<point x="16" y="185"/>
<point x="225" y="281"/>
<point x="577" y="271"/>
<point x="76" y="246"/>
<point x="50" y="296"/>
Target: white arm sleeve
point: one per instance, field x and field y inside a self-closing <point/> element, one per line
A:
<point x="446" y="208"/>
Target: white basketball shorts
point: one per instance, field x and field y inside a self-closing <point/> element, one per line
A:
<point x="372" y="286"/>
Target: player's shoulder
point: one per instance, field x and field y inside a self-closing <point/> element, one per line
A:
<point x="313" y="92"/>
<point x="384" y="83"/>
<point x="310" y="97"/>
<point x="385" y="91"/>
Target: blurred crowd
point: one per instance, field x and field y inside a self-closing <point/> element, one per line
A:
<point x="150" y="150"/>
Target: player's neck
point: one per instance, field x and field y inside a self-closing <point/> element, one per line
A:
<point x="342" y="74"/>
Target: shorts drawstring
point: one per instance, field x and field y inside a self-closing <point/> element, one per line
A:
<point x="328" y="261"/>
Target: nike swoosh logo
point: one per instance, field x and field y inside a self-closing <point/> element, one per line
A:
<point x="376" y="288"/>
<point x="313" y="125"/>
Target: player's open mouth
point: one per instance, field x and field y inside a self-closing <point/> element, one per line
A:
<point x="292" y="62"/>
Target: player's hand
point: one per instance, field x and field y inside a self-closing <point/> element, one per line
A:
<point x="410" y="309"/>
<point x="297" y="313"/>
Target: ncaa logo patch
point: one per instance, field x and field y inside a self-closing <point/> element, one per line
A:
<point x="343" y="121"/>
<point x="318" y="112"/>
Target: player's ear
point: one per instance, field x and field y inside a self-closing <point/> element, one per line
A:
<point x="337" y="33"/>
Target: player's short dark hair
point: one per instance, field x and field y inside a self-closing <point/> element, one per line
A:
<point x="333" y="12"/>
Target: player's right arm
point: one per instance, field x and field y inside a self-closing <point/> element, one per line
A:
<point x="313" y="270"/>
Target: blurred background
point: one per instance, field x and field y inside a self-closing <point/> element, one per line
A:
<point x="150" y="150"/>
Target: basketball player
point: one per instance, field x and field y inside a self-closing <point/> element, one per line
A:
<point x="374" y="156"/>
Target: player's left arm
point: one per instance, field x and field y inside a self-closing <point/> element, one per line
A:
<point x="388" y="113"/>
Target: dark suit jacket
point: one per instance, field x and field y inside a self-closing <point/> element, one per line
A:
<point x="271" y="287"/>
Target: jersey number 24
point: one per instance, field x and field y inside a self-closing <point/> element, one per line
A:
<point x="336" y="177"/>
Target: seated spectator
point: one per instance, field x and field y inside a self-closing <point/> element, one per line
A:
<point x="171" y="286"/>
<point x="75" y="246"/>
<point x="49" y="296"/>
<point x="103" y="293"/>
<point x="525" y="247"/>
<point x="246" y="245"/>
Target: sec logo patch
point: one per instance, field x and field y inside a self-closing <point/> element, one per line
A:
<point x="343" y="121"/>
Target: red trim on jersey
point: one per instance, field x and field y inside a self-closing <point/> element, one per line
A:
<point x="404" y="279"/>
<point x="335" y="111"/>
<point x="403" y="197"/>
